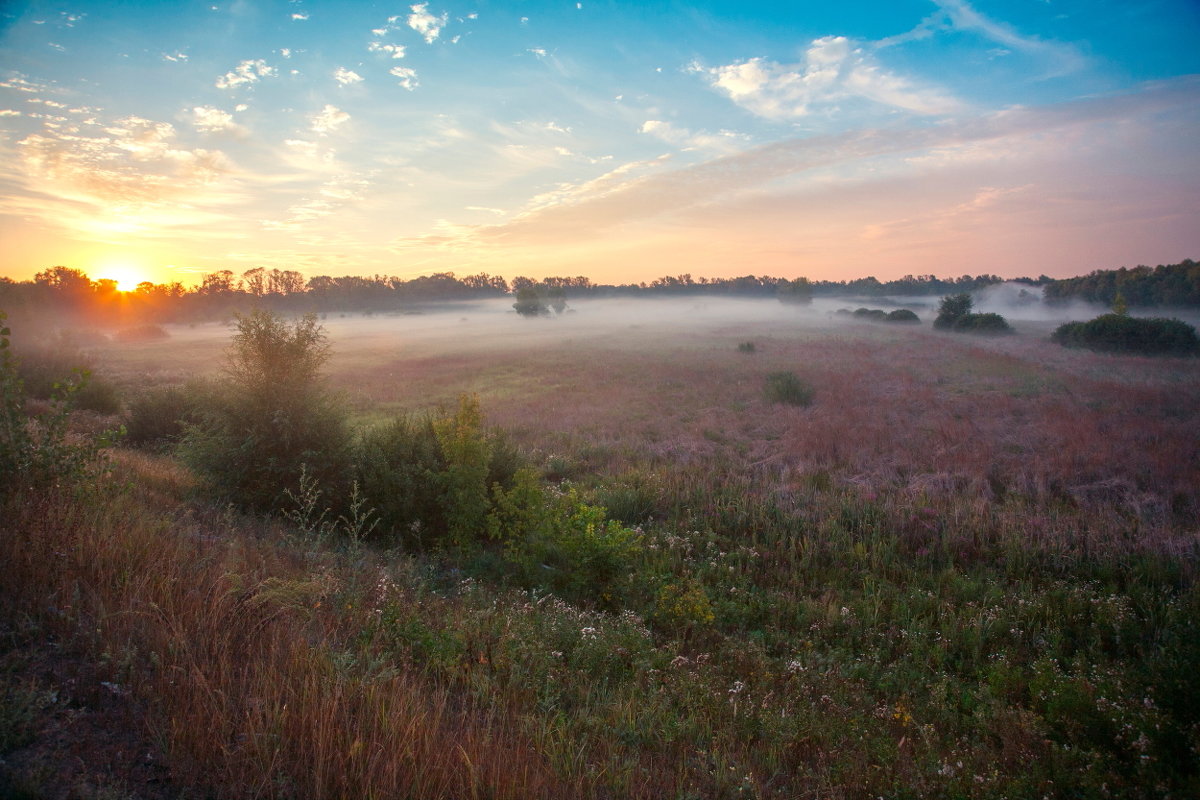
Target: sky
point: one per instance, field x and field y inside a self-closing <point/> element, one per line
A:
<point x="622" y="141"/>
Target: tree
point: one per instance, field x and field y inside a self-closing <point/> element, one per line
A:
<point x="530" y="303"/>
<point x="797" y="292"/>
<point x="952" y="309"/>
<point x="274" y="419"/>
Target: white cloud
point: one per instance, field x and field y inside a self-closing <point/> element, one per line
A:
<point x="540" y="52"/>
<point x="393" y="50"/>
<point x="177" y="56"/>
<point x="833" y="70"/>
<point x="329" y="119"/>
<point x="247" y="72"/>
<point x="426" y="24"/>
<point x="345" y="77"/>
<point x="407" y="76"/>
<point x="300" y="16"/>
<point x="9" y="112"/>
<point x="555" y="127"/>
<point x="723" y="141"/>
<point x="1060" y="58"/>
<point x="285" y="52"/>
<point x="212" y="120"/>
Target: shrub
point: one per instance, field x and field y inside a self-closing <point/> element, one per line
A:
<point x="983" y="323"/>
<point x="555" y="540"/>
<point x="424" y="476"/>
<point x="952" y="308"/>
<point x="746" y="347"/>
<point x="273" y="419"/>
<point x="872" y="314"/>
<point x="1118" y="333"/>
<point x="954" y="314"/>
<point x="903" y="316"/>
<point x="142" y="333"/>
<point x="785" y="387"/>
<point x="36" y="453"/>
<point x="158" y="418"/>
<point x="44" y="368"/>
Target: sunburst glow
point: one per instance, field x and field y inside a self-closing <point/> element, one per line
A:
<point x="127" y="276"/>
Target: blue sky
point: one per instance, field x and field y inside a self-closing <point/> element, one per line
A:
<point x="617" y="140"/>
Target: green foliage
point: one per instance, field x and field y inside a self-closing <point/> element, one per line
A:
<point x="557" y="541"/>
<point x="872" y="314"/>
<point x="786" y="387"/>
<point x="903" y="316"/>
<point x="158" y="418"/>
<point x="954" y="314"/>
<point x="746" y="347"/>
<point x="1119" y="333"/>
<point x="36" y="453"/>
<point x="467" y="454"/>
<point x="273" y="419"/>
<point x="952" y="308"/>
<point x="430" y="477"/>
<point x="398" y="465"/>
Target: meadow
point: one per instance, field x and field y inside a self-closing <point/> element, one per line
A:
<point x="966" y="569"/>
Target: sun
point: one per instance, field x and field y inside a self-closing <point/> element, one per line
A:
<point x="127" y="276"/>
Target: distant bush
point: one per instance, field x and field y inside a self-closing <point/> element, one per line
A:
<point x="44" y="368"/>
<point x="785" y="387"/>
<point x="142" y="333"/>
<point x="746" y="347"/>
<point x="1117" y="333"/>
<point x="871" y="314"/>
<point x="954" y="314"/>
<point x="158" y="418"/>
<point x="903" y="316"/>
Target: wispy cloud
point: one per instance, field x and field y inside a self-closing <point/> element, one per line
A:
<point x="724" y="141"/>
<point x="426" y="24"/>
<point x="208" y="119"/>
<point x="834" y="69"/>
<point x="346" y="77"/>
<point x="328" y="120"/>
<point x="1060" y="58"/>
<point x="393" y="50"/>
<point x="245" y="73"/>
<point x="407" y="77"/>
<point x="640" y="192"/>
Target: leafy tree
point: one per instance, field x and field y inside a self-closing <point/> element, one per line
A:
<point x="275" y="418"/>
<point x="530" y="303"/>
<point x="797" y="292"/>
<point x="952" y="308"/>
<point x="1120" y="333"/>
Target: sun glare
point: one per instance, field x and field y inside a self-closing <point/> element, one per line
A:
<point x="127" y="277"/>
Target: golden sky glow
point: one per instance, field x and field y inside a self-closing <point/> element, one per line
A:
<point x="622" y="142"/>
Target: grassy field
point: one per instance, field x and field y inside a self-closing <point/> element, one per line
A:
<point x="967" y="569"/>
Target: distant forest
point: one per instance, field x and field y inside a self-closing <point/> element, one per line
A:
<point x="60" y="292"/>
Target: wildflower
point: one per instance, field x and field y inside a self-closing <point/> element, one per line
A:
<point x="737" y="688"/>
<point x="588" y="633"/>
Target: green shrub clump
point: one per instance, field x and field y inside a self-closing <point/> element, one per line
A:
<point x="746" y="347"/>
<point x="954" y="314"/>
<point x="1118" y="333"/>
<point x="785" y="387"/>
<point x="158" y="418"/>
<point x="904" y="317"/>
<point x="45" y="367"/>
<point x="36" y="454"/>
<point x="273" y="420"/>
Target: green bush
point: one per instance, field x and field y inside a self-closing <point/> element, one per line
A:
<point x="36" y="454"/>
<point x="954" y="314"/>
<point x="872" y="314"/>
<point x="746" y="347"/>
<point x="903" y="316"/>
<point x="555" y="540"/>
<point x="785" y="387"/>
<point x="417" y="471"/>
<point x="158" y="418"/>
<point x="1117" y="333"/>
<point x="273" y="419"/>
